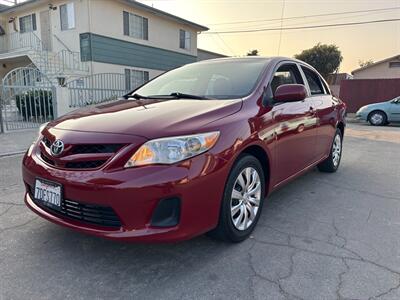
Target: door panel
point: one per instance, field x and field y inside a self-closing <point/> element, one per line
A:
<point x="395" y="111"/>
<point x="295" y="133"/>
<point x="294" y="127"/>
<point x="45" y="30"/>
<point x="326" y="118"/>
<point x="325" y="113"/>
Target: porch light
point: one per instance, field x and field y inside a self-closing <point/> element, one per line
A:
<point x="61" y="81"/>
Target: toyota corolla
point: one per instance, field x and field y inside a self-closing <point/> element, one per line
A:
<point x="195" y="150"/>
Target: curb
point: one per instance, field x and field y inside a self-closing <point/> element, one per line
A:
<point x="353" y="120"/>
<point x="9" y="154"/>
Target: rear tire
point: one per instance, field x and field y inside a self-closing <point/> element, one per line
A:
<point x="242" y="201"/>
<point x="332" y="163"/>
<point x="377" y="118"/>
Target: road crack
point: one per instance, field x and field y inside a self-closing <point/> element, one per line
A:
<point x="18" y="226"/>
<point x="341" y="186"/>
<point x="277" y="282"/>
<point x="6" y="211"/>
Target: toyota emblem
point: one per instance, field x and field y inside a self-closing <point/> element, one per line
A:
<point x="57" y="148"/>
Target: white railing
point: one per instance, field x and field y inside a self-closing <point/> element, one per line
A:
<point x="61" y="63"/>
<point x="97" y="88"/>
<point x="64" y="62"/>
<point x="71" y="61"/>
<point x="17" y="41"/>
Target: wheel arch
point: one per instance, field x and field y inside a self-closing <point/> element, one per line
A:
<point x="341" y="127"/>
<point x="259" y="152"/>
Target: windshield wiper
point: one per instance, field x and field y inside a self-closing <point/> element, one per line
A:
<point x="138" y="97"/>
<point x="187" y="96"/>
<point x="170" y="96"/>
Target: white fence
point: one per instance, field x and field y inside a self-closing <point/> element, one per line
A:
<point x="96" y="89"/>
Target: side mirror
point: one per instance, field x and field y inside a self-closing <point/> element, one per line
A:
<point x="290" y="93"/>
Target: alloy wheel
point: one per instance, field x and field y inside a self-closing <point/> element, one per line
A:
<point x="336" y="150"/>
<point x="245" y="199"/>
<point x="377" y="119"/>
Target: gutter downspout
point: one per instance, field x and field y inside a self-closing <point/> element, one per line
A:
<point x="90" y="31"/>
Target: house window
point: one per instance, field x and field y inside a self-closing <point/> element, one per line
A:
<point x="67" y="15"/>
<point x="135" y="78"/>
<point x="86" y="47"/>
<point x="27" y="23"/>
<point x="136" y="26"/>
<point x="394" y="64"/>
<point x="185" y="38"/>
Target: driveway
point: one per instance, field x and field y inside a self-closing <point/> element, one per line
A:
<point x="324" y="236"/>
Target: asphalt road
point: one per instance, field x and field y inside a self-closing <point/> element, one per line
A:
<point x="323" y="236"/>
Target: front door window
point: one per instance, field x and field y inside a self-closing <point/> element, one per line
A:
<point x="27" y="23"/>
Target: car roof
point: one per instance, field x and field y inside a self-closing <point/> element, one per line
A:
<point x="274" y="59"/>
<point x="267" y="59"/>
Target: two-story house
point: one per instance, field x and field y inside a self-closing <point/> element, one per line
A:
<point x="75" y="38"/>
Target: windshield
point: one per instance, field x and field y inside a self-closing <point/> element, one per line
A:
<point x="222" y="79"/>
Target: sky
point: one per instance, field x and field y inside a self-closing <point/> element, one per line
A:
<point x="357" y="43"/>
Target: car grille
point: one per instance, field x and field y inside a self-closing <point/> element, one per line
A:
<point x="104" y="150"/>
<point x="87" y="213"/>
<point x="85" y="164"/>
<point x="84" y="149"/>
<point x="46" y="141"/>
<point x="47" y="160"/>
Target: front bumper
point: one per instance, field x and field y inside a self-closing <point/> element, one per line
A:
<point x="360" y="115"/>
<point x="134" y="194"/>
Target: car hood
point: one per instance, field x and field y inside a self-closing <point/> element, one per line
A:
<point x="148" y="118"/>
<point x="380" y="105"/>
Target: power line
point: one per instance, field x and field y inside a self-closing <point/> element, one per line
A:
<point x="305" y="22"/>
<point x="308" y="16"/>
<point x="303" y="27"/>
<point x="226" y="44"/>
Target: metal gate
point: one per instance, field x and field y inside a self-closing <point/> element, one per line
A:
<point x="97" y="88"/>
<point x="27" y="100"/>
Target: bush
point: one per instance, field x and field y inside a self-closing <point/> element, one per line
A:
<point x="35" y="104"/>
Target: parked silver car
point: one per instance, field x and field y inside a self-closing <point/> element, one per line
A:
<point x="379" y="114"/>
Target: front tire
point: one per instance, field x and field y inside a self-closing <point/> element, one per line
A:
<point x="377" y="118"/>
<point x="242" y="200"/>
<point x="331" y="164"/>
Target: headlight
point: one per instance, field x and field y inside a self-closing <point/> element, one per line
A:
<point x="43" y="126"/>
<point x="362" y="108"/>
<point x="172" y="150"/>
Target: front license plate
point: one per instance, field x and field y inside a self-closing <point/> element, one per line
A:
<point x="48" y="193"/>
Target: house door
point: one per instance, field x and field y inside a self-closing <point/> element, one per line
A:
<point x="45" y="29"/>
<point x="394" y="110"/>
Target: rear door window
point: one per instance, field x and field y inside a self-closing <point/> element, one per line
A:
<point x="314" y="82"/>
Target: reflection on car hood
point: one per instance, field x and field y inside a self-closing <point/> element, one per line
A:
<point x="380" y="105"/>
<point x="148" y="118"/>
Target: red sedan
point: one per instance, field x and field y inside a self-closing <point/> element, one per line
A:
<point x="195" y="150"/>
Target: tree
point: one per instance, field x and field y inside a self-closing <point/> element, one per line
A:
<point x="252" y="52"/>
<point x="365" y="63"/>
<point x="324" y="58"/>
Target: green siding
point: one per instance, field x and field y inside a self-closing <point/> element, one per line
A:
<point x="113" y="51"/>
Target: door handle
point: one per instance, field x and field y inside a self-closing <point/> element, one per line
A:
<point x="311" y="109"/>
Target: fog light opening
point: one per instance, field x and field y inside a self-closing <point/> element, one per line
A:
<point x="167" y="213"/>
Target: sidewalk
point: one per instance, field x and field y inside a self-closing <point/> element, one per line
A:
<point x="351" y="118"/>
<point x="16" y="142"/>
